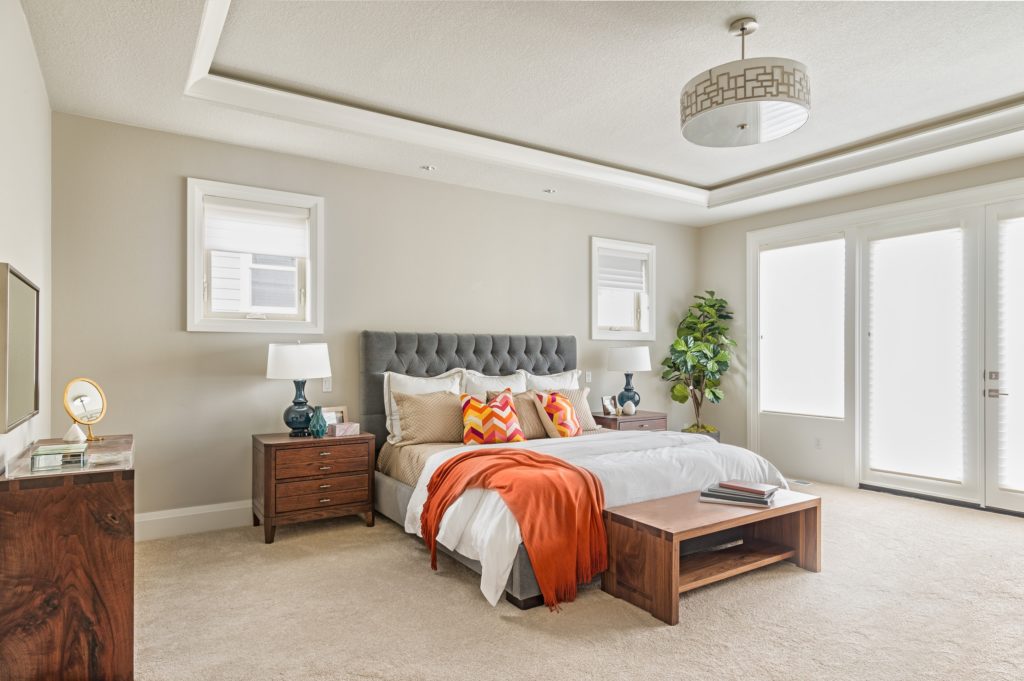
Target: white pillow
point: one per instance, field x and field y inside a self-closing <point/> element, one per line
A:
<point x="478" y="385"/>
<point x="450" y="382"/>
<point x="567" y="380"/>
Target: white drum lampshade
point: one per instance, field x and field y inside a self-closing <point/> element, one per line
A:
<point x="629" y="361"/>
<point x="298" y="362"/>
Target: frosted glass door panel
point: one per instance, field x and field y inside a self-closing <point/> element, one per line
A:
<point x="801" y="319"/>
<point x="915" y="400"/>
<point x="1010" y="337"/>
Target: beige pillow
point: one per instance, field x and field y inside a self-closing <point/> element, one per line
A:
<point x="578" y="397"/>
<point x="525" y="404"/>
<point x="432" y="417"/>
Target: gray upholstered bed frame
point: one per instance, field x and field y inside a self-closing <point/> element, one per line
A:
<point x="430" y="354"/>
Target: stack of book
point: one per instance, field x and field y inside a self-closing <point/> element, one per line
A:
<point x="739" y="493"/>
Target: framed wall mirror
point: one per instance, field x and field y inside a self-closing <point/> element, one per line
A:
<point x="19" y="348"/>
<point x="621" y="290"/>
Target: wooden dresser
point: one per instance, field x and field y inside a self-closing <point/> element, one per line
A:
<point x="295" y="479"/>
<point x="642" y="420"/>
<point x="67" y="546"/>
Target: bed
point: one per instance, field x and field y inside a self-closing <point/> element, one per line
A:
<point x="478" y="530"/>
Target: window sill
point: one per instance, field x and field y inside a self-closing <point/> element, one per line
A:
<point x="268" y="326"/>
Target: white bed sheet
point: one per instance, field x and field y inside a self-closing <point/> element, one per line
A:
<point x="632" y="467"/>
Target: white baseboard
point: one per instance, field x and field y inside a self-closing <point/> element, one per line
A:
<point x="192" y="519"/>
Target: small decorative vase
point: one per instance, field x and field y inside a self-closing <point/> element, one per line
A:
<point x="318" y="424"/>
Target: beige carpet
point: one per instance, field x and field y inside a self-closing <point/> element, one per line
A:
<point x="910" y="590"/>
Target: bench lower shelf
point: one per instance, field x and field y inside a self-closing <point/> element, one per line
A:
<point x="701" y="569"/>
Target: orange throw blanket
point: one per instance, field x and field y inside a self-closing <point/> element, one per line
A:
<point x="558" y="507"/>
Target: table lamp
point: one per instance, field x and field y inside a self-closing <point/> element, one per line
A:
<point x="298" y="362"/>
<point x="628" y="361"/>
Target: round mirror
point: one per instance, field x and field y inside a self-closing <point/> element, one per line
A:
<point x="85" y="402"/>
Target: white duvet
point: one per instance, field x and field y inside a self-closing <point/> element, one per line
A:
<point x="632" y="466"/>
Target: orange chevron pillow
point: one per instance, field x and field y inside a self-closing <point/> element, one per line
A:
<point x="484" y="423"/>
<point x="561" y="419"/>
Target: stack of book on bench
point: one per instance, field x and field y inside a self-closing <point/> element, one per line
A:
<point x="739" y="493"/>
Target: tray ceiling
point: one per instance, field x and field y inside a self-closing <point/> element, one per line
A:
<point x="601" y="81"/>
<point x="578" y="97"/>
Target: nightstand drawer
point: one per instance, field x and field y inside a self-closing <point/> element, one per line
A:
<point x="651" y="424"/>
<point x="327" y="460"/>
<point x="324" y="499"/>
<point x="321" y="485"/>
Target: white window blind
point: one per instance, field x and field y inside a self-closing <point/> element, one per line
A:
<point x="1010" y="341"/>
<point x="916" y="331"/>
<point x="801" y="315"/>
<point x="252" y="227"/>
<point x="622" y="290"/>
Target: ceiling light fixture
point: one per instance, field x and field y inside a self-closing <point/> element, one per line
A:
<point x="747" y="101"/>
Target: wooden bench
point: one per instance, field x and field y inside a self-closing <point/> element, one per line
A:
<point x="647" y="565"/>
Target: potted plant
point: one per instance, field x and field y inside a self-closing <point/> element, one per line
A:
<point x="698" y="358"/>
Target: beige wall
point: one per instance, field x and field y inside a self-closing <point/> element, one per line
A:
<point x="25" y="192"/>
<point x="816" y="448"/>
<point x="402" y="254"/>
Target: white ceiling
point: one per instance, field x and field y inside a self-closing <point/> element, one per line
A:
<point x="593" y="81"/>
<point x="601" y="81"/>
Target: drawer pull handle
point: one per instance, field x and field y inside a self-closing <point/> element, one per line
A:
<point x="325" y="468"/>
<point x="324" y="501"/>
<point x="325" y="486"/>
<point x="643" y="425"/>
<point x="325" y="453"/>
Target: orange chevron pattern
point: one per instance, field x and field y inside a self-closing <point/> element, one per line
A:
<point x="559" y="409"/>
<point x="490" y="422"/>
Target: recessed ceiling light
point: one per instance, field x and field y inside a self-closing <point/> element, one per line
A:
<point x="428" y="168"/>
<point x="549" y="191"/>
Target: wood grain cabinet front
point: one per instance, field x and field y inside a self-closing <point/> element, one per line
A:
<point x="67" y="552"/>
<point x="300" y="479"/>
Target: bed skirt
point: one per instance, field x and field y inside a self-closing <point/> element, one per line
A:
<point x="391" y="499"/>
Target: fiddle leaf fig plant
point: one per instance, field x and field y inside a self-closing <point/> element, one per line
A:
<point x="699" y="356"/>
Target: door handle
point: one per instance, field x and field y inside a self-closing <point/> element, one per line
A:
<point x="995" y="392"/>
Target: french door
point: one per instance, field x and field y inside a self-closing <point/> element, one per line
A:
<point x="1004" y="351"/>
<point x="921" y="355"/>
<point x="942" y="348"/>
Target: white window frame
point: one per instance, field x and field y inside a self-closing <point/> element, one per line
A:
<point x="648" y="250"/>
<point x="198" y="317"/>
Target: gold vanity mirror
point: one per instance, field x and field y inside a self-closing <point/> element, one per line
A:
<point x="85" y="402"/>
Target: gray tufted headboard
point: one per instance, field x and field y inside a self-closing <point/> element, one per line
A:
<point x="430" y="354"/>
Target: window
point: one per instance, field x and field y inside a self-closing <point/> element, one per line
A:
<point x="622" y="290"/>
<point x="801" y="298"/>
<point x="254" y="259"/>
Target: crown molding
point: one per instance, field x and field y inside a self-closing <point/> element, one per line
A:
<point x="202" y="84"/>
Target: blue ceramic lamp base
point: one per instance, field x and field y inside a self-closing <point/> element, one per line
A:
<point x="299" y="414"/>
<point x="628" y="394"/>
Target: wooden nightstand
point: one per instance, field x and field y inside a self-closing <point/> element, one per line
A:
<point x="295" y="479"/>
<point x="642" y="420"/>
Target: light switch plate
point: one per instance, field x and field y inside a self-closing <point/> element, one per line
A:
<point x="328" y="385"/>
<point x="587" y="377"/>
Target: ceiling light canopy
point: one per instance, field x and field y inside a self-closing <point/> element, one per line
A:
<point x="744" y="102"/>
